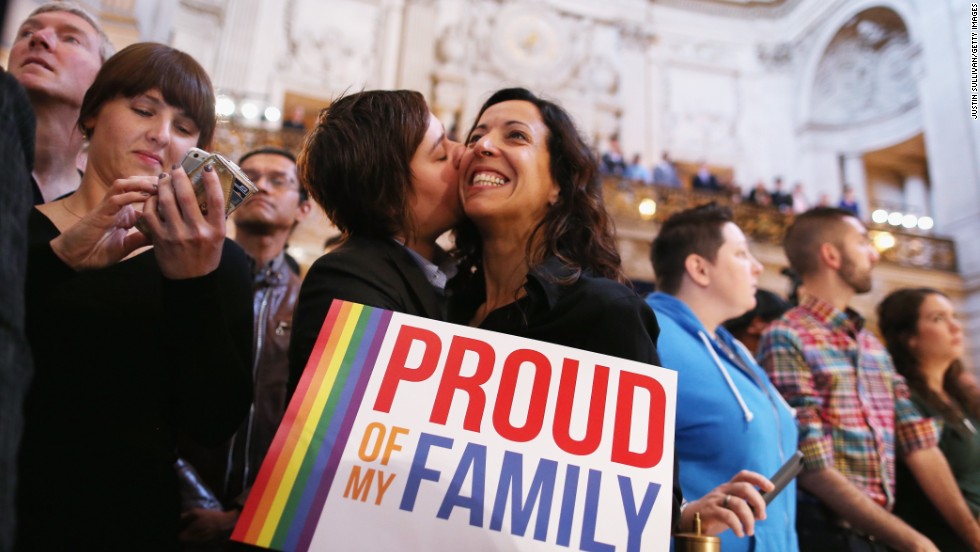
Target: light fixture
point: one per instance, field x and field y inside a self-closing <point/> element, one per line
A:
<point x="272" y="114"/>
<point x="879" y="216"/>
<point x="249" y="110"/>
<point x="647" y="208"/>
<point x="926" y="223"/>
<point x="224" y="106"/>
<point x="895" y="218"/>
<point x="882" y="240"/>
<point x="910" y="221"/>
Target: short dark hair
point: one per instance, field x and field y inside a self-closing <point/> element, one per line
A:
<point x="272" y="150"/>
<point x="577" y="229"/>
<point x="356" y="161"/>
<point x="808" y="232"/>
<point x="144" y="66"/>
<point x="698" y="231"/>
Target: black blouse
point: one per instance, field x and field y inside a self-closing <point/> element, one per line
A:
<point x="589" y="312"/>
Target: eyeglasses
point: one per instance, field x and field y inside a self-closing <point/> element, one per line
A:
<point x="280" y="182"/>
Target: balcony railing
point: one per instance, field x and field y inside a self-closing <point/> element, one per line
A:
<point x="635" y="202"/>
<point x="639" y="203"/>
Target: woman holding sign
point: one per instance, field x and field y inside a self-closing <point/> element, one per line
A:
<point x="130" y="346"/>
<point x="538" y="258"/>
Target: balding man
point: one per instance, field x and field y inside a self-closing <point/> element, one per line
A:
<point x="57" y="52"/>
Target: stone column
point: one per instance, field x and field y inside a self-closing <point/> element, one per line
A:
<point x="917" y="195"/>
<point x="953" y="143"/>
<point x="853" y="174"/>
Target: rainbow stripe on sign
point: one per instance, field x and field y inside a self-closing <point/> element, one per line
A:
<point x="291" y="488"/>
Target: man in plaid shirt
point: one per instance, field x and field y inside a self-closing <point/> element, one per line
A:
<point x="853" y="409"/>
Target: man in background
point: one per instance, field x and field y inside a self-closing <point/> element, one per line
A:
<point x="57" y="52"/>
<point x="263" y="224"/>
<point x="853" y="410"/>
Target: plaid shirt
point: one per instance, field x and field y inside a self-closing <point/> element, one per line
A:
<point x="850" y="403"/>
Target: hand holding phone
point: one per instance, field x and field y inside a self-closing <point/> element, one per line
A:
<point x="784" y="475"/>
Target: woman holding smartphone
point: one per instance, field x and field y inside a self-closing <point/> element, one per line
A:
<point x="134" y="339"/>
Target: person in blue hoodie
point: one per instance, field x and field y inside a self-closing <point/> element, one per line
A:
<point x="729" y="416"/>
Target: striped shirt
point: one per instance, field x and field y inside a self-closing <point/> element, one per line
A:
<point x="852" y="407"/>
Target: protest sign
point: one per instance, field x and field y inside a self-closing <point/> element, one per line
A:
<point x="410" y="434"/>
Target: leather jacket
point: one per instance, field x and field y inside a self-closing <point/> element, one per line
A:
<point x="230" y="470"/>
<point x="276" y="288"/>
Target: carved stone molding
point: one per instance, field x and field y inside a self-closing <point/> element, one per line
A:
<point x="747" y="9"/>
<point x="777" y="56"/>
<point x="867" y="72"/>
<point x="324" y="50"/>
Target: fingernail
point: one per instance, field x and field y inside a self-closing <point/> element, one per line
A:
<point x="146" y="194"/>
<point x="162" y="176"/>
<point x="208" y="167"/>
<point x="174" y="167"/>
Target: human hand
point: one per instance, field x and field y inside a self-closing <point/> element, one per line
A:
<point x="202" y="525"/>
<point x="734" y="505"/>
<point x="186" y="241"/>
<point x="103" y="236"/>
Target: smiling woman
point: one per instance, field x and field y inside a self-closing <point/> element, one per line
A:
<point x="130" y="347"/>
<point x="538" y="258"/>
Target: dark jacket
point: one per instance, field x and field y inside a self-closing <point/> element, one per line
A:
<point x="376" y="272"/>
<point x="124" y="359"/>
<point x="229" y="470"/>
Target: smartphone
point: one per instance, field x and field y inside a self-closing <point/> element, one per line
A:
<point x="194" y="158"/>
<point x="784" y="475"/>
<point x="235" y="185"/>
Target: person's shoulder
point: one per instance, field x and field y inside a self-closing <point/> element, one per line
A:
<point x="598" y="293"/>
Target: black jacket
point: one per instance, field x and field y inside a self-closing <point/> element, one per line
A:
<point x="376" y="272"/>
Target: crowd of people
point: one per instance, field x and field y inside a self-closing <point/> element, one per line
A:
<point x="665" y="173"/>
<point x="162" y="360"/>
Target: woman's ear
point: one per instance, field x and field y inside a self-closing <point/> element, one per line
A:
<point x="696" y="267"/>
<point x="86" y="126"/>
<point x="554" y="195"/>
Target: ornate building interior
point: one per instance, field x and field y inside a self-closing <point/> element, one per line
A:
<point x="871" y="94"/>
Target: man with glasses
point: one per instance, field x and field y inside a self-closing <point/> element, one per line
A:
<point x="263" y="225"/>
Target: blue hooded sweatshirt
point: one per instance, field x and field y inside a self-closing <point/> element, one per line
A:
<point x="729" y="418"/>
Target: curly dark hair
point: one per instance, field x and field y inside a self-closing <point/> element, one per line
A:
<point x="577" y="229"/>
<point x="898" y="318"/>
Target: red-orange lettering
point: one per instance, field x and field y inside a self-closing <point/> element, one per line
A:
<point x="563" y="409"/>
<point x="629" y="382"/>
<point x="452" y="380"/>
<point x="398" y="370"/>
<point x="539" y="396"/>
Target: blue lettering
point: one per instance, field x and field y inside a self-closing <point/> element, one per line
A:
<point x="419" y="472"/>
<point x="474" y="459"/>
<point x="636" y="520"/>
<point x="588" y="542"/>
<point x="511" y="483"/>
<point x="566" y="518"/>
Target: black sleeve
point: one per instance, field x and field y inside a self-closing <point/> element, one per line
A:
<point x="624" y="327"/>
<point x="208" y="321"/>
<point x="333" y="276"/>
